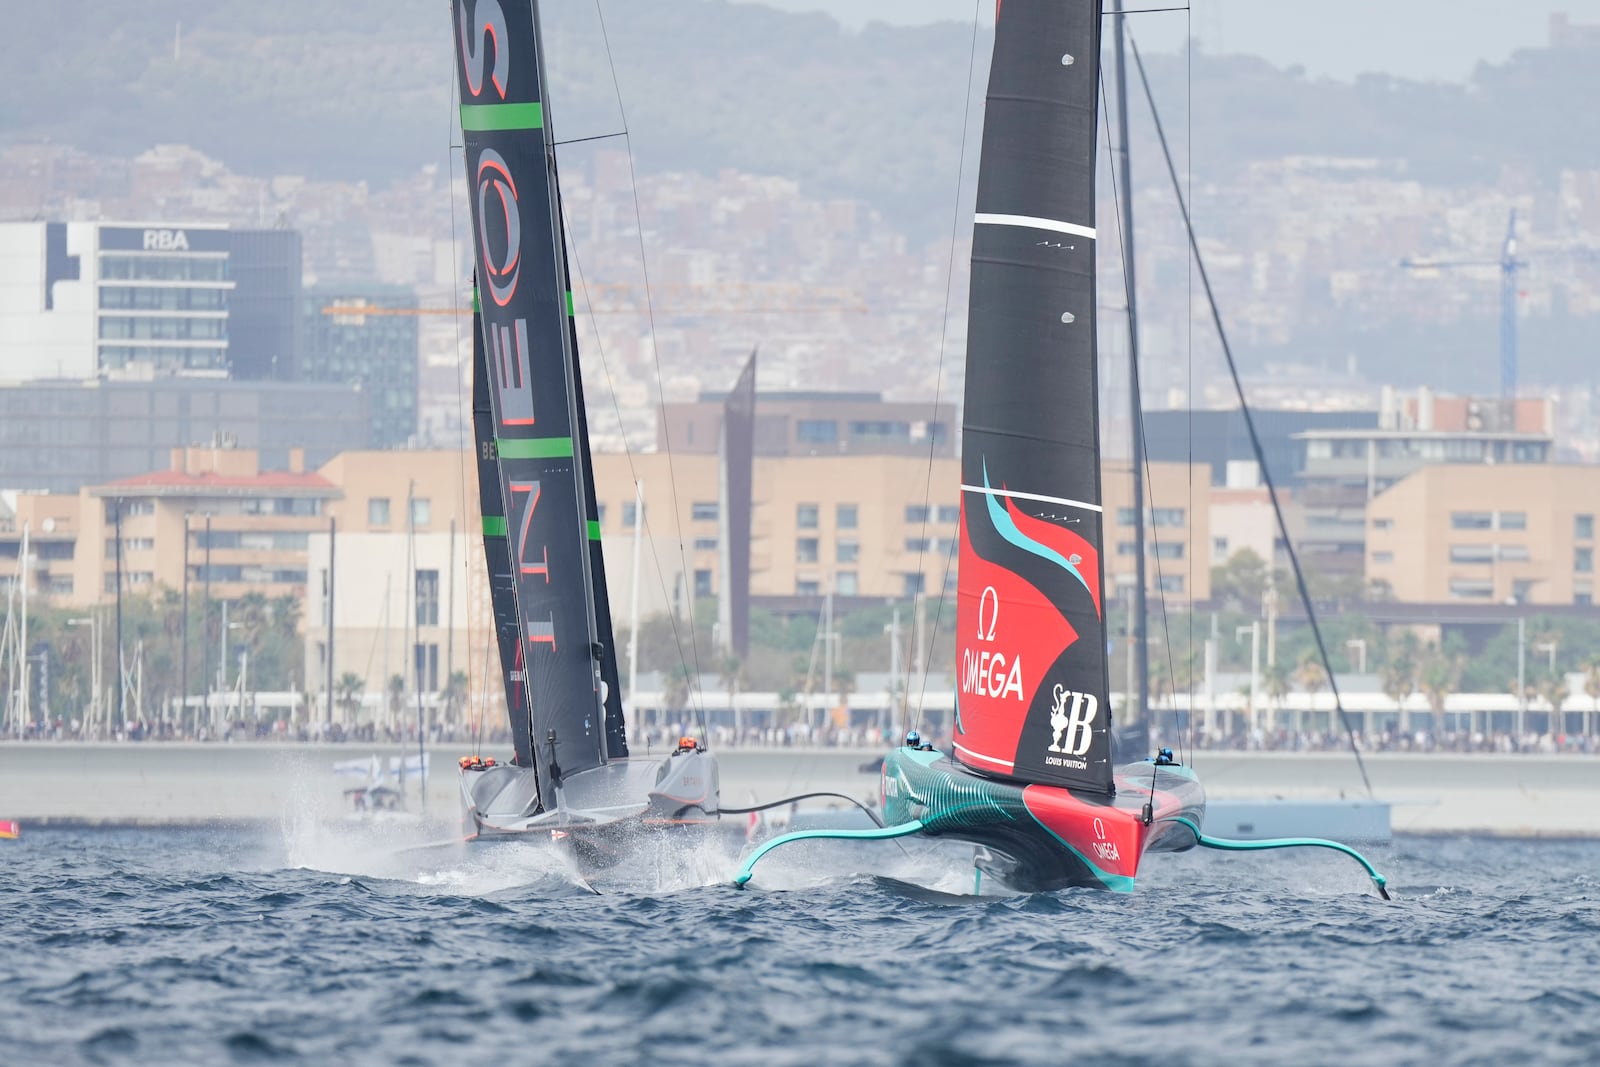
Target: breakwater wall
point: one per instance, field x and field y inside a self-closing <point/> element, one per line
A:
<point x="179" y="783"/>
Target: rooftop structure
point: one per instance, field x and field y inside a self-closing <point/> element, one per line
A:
<point x="818" y="423"/>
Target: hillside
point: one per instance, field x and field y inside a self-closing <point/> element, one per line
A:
<point x="360" y="91"/>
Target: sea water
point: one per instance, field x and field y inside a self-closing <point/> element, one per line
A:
<point x="338" y="946"/>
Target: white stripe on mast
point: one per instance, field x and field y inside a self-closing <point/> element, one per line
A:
<point x="984" y="218"/>
<point x="1032" y="496"/>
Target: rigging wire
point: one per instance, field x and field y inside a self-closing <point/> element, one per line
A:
<point x="1136" y="625"/>
<point x="1250" y="425"/>
<point x="938" y="388"/>
<point x="477" y="729"/>
<point x="641" y="514"/>
<point x="1124" y="240"/>
<point x="876" y="821"/>
<point x="1188" y="319"/>
<point x="464" y="416"/>
<point x="655" y="353"/>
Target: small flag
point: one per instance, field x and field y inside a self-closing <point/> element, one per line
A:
<point x="9" y="830"/>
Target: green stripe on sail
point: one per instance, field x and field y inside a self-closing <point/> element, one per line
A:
<point x="594" y="530"/>
<point x="494" y="526"/>
<point x="477" y="305"/>
<point x="533" y="447"/>
<point x="569" y="302"/>
<point x="483" y="117"/>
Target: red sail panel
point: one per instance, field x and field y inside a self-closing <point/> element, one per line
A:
<point x="1031" y="521"/>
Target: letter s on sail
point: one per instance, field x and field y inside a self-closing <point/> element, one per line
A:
<point x="491" y="20"/>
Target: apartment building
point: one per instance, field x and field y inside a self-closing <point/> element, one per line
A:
<point x="400" y="561"/>
<point x="874" y="526"/>
<point x="1346" y="469"/>
<point x="1487" y="534"/>
<point x="237" y="527"/>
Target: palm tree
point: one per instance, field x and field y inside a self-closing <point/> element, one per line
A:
<point x="254" y="618"/>
<point x="1591" y="685"/>
<point x="347" y="693"/>
<point x="1275" y="681"/>
<point x="455" y="696"/>
<point x="397" y="698"/>
<point x="1310" y="676"/>
<point x="285" y="611"/>
<point x="1554" y="690"/>
<point x="1400" y="677"/>
<point x="1439" y="675"/>
<point x="676" y="696"/>
<point x="730" y="671"/>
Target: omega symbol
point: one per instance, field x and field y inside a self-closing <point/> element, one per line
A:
<point x="989" y="596"/>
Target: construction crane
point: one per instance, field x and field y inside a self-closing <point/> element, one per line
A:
<point x="734" y="298"/>
<point x="1509" y="264"/>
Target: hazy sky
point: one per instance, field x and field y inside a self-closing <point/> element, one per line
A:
<point x="1420" y="39"/>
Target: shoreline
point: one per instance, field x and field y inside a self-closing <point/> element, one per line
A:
<point x="220" y="785"/>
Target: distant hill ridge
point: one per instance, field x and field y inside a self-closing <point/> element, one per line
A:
<point x="360" y="89"/>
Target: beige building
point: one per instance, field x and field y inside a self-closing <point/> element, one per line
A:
<point x="247" y="530"/>
<point x="409" y="589"/>
<point x="410" y="594"/>
<point x="1487" y="534"/>
<point x="1177" y="530"/>
<point x="878" y="526"/>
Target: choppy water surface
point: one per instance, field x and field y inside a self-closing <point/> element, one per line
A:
<point x="324" y="946"/>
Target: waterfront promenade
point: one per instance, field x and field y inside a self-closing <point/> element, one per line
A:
<point x="189" y="783"/>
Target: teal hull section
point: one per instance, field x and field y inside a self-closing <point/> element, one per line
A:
<point x="1041" y="837"/>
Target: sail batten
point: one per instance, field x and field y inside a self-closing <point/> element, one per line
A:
<point x="988" y="218"/>
<point x="1033" y="699"/>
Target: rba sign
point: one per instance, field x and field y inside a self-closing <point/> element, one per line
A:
<point x="989" y="672"/>
<point x="166" y="241"/>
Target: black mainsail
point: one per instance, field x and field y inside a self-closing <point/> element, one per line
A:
<point x="539" y="438"/>
<point x="1033" y="700"/>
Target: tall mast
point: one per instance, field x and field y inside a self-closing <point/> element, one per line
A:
<point x="22" y="639"/>
<point x="1033" y="691"/>
<point x="332" y="583"/>
<point x="1139" y="647"/>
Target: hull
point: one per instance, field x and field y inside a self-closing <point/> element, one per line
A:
<point x="1040" y="837"/>
<point x="601" y="812"/>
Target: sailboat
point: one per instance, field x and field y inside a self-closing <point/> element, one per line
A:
<point x="1030" y="780"/>
<point x="571" y="777"/>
